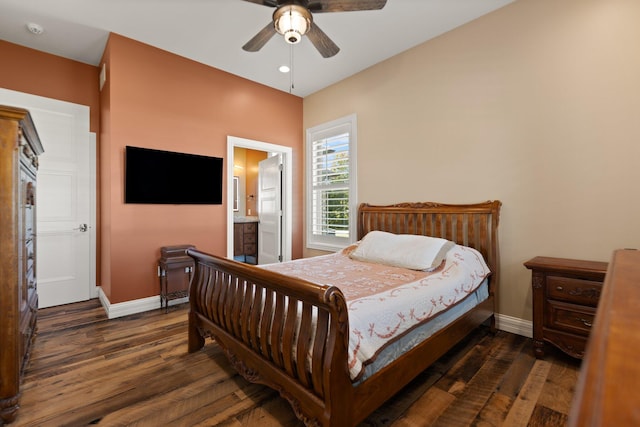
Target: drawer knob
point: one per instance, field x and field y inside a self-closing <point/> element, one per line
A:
<point x="586" y="323"/>
<point x="559" y="288"/>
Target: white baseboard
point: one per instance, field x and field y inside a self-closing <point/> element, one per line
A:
<point x="135" y="306"/>
<point x="514" y="325"/>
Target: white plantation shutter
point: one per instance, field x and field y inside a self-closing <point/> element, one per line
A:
<point x="331" y="184"/>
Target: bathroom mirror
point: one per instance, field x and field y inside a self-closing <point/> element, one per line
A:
<point x="235" y="194"/>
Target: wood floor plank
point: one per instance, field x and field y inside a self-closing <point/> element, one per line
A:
<point x="545" y="417"/>
<point x="271" y="413"/>
<point x="84" y="399"/>
<point x="135" y="371"/>
<point x="215" y="414"/>
<point x="426" y="409"/>
<point x="557" y="393"/>
<point x="465" y="368"/>
<point x="470" y="400"/>
<point x="182" y="401"/>
<point x="494" y="412"/>
<point x="525" y="403"/>
<point x="517" y="374"/>
<point x="497" y="408"/>
<point x="402" y="402"/>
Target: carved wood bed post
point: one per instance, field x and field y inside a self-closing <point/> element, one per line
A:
<point x="196" y="338"/>
<point x="338" y="399"/>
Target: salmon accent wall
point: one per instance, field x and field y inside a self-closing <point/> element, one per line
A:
<point x="155" y="99"/>
<point x="31" y="71"/>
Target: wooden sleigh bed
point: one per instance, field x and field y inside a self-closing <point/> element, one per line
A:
<point x="292" y="335"/>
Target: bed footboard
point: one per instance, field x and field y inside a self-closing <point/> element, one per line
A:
<point x="283" y="332"/>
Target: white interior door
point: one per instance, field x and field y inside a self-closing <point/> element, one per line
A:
<point x="270" y="210"/>
<point x="65" y="252"/>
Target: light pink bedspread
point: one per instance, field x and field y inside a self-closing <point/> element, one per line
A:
<point x="385" y="302"/>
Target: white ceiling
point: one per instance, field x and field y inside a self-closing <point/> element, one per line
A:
<point x="213" y="32"/>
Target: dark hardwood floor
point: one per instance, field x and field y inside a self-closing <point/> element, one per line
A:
<point x="135" y="371"/>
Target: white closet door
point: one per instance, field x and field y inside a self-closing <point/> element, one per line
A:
<point x="65" y="226"/>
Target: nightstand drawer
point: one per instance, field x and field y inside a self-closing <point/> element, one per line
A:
<point x="578" y="291"/>
<point x="571" y="318"/>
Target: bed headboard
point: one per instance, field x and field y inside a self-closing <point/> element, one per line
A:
<point x="474" y="225"/>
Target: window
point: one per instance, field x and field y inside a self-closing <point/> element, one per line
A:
<point x="331" y="184"/>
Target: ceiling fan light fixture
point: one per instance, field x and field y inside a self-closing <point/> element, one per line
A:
<point x="292" y="21"/>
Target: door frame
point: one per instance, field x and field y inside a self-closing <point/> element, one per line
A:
<point x="287" y="168"/>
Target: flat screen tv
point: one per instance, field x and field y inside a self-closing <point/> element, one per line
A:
<point x="167" y="177"/>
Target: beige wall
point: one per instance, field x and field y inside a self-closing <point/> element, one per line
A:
<point x="536" y="104"/>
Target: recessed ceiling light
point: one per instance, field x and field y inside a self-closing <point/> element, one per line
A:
<point x="284" y="69"/>
<point x="35" y="28"/>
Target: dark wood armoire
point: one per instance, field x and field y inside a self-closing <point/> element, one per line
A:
<point x="20" y="147"/>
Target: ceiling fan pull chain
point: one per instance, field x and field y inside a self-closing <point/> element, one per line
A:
<point x="291" y="87"/>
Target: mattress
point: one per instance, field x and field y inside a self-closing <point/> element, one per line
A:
<point x="420" y="333"/>
<point x="386" y="303"/>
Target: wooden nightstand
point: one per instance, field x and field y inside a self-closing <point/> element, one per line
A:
<point x="565" y="297"/>
<point x="174" y="270"/>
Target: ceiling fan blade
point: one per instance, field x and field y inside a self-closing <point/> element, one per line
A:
<point x="322" y="42"/>
<point x="270" y="3"/>
<point x="322" y="6"/>
<point x="260" y="39"/>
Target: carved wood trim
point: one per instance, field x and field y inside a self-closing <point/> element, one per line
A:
<point x="591" y="293"/>
<point x="247" y="373"/>
<point x="9" y="408"/>
<point x="537" y="280"/>
<point x="297" y="409"/>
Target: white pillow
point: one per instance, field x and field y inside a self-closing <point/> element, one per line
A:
<point x="402" y="250"/>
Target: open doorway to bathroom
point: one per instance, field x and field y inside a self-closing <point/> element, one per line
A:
<point x="246" y="222"/>
<point x="243" y="179"/>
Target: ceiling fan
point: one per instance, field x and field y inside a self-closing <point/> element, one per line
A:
<point x="293" y="19"/>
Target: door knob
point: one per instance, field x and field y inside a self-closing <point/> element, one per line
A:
<point x="83" y="228"/>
